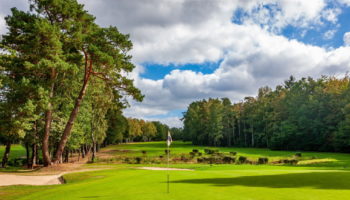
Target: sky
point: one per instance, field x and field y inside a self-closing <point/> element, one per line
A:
<point x="188" y="50"/>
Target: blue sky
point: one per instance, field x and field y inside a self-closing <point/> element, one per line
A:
<point x="187" y="50"/>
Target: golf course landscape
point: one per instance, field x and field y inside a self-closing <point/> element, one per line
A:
<point x="319" y="176"/>
<point x="175" y="99"/>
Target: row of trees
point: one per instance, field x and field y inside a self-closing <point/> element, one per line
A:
<point x="305" y="114"/>
<point x="60" y="75"/>
<point x="122" y="129"/>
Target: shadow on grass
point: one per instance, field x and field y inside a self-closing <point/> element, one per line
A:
<point x="319" y="180"/>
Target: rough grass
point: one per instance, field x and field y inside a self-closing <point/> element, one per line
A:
<point x="317" y="180"/>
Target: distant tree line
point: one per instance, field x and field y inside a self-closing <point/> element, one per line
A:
<point x="305" y="114"/>
<point x="121" y="129"/>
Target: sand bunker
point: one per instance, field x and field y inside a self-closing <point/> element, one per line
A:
<point x="6" y="180"/>
<point x="164" y="169"/>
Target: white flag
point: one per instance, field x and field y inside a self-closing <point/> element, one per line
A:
<point x="169" y="139"/>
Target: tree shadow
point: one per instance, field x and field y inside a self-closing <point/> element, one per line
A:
<point x="319" y="180"/>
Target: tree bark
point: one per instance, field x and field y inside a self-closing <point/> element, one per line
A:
<point x="5" y="158"/>
<point x="34" y="154"/>
<point x="93" y="152"/>
<point x="48" y="120"/>
<point x="74" y="113"/>
<point x="82" y="152"/>
<point x="28" y="156"/>
<point x="252" y="136"/>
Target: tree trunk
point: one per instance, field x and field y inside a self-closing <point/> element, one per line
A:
<point x="93" y="152"/>
<point x="28" y="156"/>
<point x="69" y="125"/>
<point x="48" y="120"/>
<point x="82" y="151"/>
<point x="34" y="154"/>
<point x="233" y="132"/>
<point x="5" y="158"/>
<point x="245" y="134"/>
<point x="66" y="156"/>
<point x="252" y="136"/>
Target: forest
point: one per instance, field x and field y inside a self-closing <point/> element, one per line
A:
<point x="64" y="83"/>
<point x="307" y="114"/>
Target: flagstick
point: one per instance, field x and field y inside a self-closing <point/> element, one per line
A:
<point x="168" y="189"/>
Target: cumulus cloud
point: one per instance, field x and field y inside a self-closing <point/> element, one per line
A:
<point x="346" y="39"/>
<point x="243" y="35"/>
<point x="329" y="34"/>
<point x="2" y="25"/>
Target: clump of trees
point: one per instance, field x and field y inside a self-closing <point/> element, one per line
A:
<point x="62" y="77"/>
<point x="305" y="114"/>
<point x="122" y="129"/>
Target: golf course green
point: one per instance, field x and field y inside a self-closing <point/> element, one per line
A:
<point x="324" y="176"/>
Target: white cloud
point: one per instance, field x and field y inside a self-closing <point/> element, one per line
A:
<point x="2" y="25"/>
<point x="329" y="34"/>
<point x="346" y="39"/>
<point x="192" y="31"/>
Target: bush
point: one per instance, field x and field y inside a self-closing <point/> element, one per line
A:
<point x="144" y="152"/>
<point x="292" y="162"/>
<point x="233" y="153"/>
<point x="138" y="160"/>
<point x="17" y="162"/>
<point x="195" y="150"/>
<point x="298" y="154"/>
<point x="263" y="160"/>
<point x="242" y="159"/>
<point x="199" y="154"/>
<point x="161" y="157"/>
<point x="228" y="159"/>
<point x="192" y="154"/>
<point x="211" y="151"/>
<point x="166" y="151"/>
<point x="200" y="160"/>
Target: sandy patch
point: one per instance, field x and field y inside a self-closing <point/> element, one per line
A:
<point x="6" y="180"/>
<point x="164" y="169"/>
<point x="15" y="179"/>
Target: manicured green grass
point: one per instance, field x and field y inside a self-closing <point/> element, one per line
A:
<point x="17" y="151"/>
<point x="318" y="181"/>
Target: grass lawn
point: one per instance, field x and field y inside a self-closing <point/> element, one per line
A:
<point x="317" y="181"/>
<point x="16" y="151"/>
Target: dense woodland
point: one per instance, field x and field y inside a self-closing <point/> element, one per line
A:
<point x="305" y="114"/>
<point x="63" y="80"/>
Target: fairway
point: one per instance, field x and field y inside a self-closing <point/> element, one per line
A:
<point x="223" y="181"/>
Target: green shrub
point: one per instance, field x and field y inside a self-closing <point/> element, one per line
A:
<point x="17" y="162"/>
<point x="161" y="157"/>
<point x="263" y="160"/>
<point x="211" y="151"/>
<point x="138" y="160"/>
<point x="297" y="154"/>
<point x="192" y="154"/>
<point x="242" y="159"/>
<point x="233" y="153"/>
<point x="228" y="159"/>
<point x="199" y="154"/>
<point x="195" y="150"/>
<point x="144" y="152"/>
<point x="166" y="151"/>
<point x="292" y="162"/>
